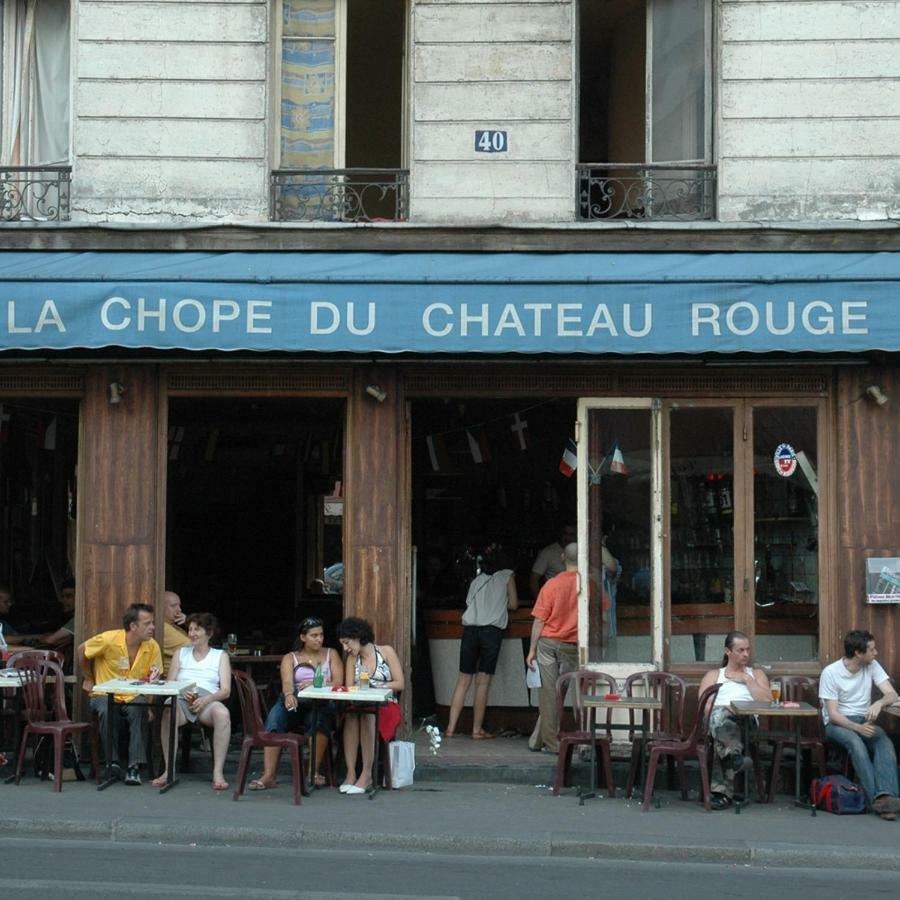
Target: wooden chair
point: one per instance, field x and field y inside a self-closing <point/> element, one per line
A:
<point x="696" y="744"/>
<point x="256" y="736"/>
<point x="43" y="693"/>
<point x="583" y="683"/>
<point x="666" y="724"/>
<point x="796" y="688"/>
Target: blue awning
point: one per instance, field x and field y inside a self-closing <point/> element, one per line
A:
<point x="452" y="302"/>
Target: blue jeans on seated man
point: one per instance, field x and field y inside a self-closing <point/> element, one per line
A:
<point x="874" y="759"/>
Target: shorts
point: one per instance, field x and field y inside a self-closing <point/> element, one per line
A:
<point x="480" y="649"/>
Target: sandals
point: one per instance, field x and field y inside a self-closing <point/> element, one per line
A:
<point x="483" y="736"/>
<point x="720" y="801"/>
<point x="259" y="785"/>
<point x="220" y="785"/>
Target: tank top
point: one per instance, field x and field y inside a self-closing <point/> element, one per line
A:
<point x="732" y="690"/>
<point x="306" y="672"/>
<point x="380" y="676"/>
<point x="203" y="672"/>
<point x="486" y="603"/>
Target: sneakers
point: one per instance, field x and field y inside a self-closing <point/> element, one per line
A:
<point x="133" y="775"/>
<point x="887" y="807"/>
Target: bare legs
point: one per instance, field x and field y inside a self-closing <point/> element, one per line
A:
<point x="215" y="716"/>
<point x="272" y="756"/>
<point x="482" y="687"/>
<point x="359" y="733"/>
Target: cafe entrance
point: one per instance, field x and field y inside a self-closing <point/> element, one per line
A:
<point x="709" y="512"/>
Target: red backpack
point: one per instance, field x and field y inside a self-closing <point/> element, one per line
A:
<point x="836" y="794"/>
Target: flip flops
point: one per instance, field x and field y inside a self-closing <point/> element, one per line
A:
<point x="220" y="785"/>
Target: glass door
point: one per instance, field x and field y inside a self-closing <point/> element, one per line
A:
<point x="619" y="535"/>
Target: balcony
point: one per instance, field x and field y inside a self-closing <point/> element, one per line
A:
<point x="339" y="195"/>
<point x="680" y="192"/>
<point x="34" y="193"/>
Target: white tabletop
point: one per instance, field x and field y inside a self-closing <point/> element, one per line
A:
<point x="148" y="688"/>
<point x="369" y="695"/>
<point x="9" y="678"/>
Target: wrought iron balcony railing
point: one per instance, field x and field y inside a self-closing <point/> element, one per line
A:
<point x="339" y="195"/>
<point x="663" y="191"/>
<point x="34" y="193"/>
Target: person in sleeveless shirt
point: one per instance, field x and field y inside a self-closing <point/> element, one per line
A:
<point x="297" y="670"/>
<point x="385" y="671"/>
<point x="210" y="670"/>
<point x="739" y="681"/>
<point x="491" y="595"/>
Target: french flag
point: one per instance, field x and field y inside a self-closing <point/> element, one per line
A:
<point x="569" y="462"/>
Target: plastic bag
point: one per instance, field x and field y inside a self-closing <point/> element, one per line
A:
<point x="403" y="763"/>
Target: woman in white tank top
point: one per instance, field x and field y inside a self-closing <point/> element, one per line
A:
<point x="210" y="670"/>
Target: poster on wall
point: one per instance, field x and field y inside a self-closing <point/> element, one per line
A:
<point x="883" y="579"/>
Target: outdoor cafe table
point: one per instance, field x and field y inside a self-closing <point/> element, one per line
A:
<point x="894" y="710"/>
<point x="376" y="697"/>
<point x="746" y="709"/>
<point x="645" y="704"/>
<point x="147" y="689"/>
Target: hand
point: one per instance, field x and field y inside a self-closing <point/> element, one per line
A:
<point x="180" y="618"/>
<point x="290" y="703"/>
<point x="874" y="711"/>
<point x="867" y="729"/>
<point x="530" y="659"/>
<point x="87" y="685"/>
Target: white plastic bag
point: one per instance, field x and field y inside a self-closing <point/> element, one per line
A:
<point x="403" y="763"/>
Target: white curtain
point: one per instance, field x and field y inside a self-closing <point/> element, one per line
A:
<point x="35" y="82"/>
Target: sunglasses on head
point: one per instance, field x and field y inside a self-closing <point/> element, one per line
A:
<point x="311" y="622"/>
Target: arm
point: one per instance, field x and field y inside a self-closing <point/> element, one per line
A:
<point x="174" y="666"/>
<point x="56" y="638"/>
<point x="288" y="697"/>
<point x="867" y="729"/>
<point x="888" y="698"/>
<point x="349" y="669"/>
<point x="397" y="682"/>
<point x="759" y="686"/>
<point x="336" y="664"/>
<point x="536" y="628"/>
<point x="512" y="596"/>
<point x="87" y="669"/>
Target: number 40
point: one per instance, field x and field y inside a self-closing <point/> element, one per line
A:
<point x="491" y="141"/>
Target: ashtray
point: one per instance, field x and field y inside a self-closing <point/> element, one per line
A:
<point x="613" y="697"/>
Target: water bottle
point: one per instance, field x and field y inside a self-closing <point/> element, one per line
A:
<point x="318" y="677"/>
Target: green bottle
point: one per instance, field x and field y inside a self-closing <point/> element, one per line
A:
<point x="318" y="677"/>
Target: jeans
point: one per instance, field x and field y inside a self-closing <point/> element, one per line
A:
<point x="874" y="759"/>
<point x="281" y="719"/>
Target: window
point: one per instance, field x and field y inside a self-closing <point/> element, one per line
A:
<point x="34" y="134"/>
<point x="645" y="109"/>
<point x="340" y="110"/>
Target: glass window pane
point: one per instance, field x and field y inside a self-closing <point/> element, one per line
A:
<point x="786" y="533"/>
<point x="618" y="505"/>
<point x="679" y="80"/>
<point x="701" y="491"/>
<point x="307" y="104"/>
<point x="307" y="18"/>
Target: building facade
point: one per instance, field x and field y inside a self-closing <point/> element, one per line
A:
<point x="317" y="291"/>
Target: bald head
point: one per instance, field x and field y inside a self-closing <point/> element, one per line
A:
<point x="172" y="607"/>
<point x="570" y="555"/>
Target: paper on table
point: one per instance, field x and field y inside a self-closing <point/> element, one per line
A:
<point x="532" y="677"/>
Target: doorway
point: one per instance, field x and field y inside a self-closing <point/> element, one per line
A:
<point x="254" y="513"/>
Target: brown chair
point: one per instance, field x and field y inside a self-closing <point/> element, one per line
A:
<point x="256" y="736"/>
<point x="43" y="693"/>
<point x="583" y="683"/>
<point x="694" y="745"/>
<point x="796" y="688"/>
<point x="666" y="724"/>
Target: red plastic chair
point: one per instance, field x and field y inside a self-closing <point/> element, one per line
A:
<point x="666" y="724"/>
<point x="694" y="745"/>
<point x="55" y="656"/>
<point x="255" y="735"/>
<point x="44" y="697"/>
<point x="584" y="683"/>
<point x="796" y="688"/>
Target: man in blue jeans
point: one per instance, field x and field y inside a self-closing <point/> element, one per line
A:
<point x="849" y="715"/>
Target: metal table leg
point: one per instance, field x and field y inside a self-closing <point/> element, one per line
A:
<point x="375" y="786"/>
<point x="171" y="780"/>
<point x="110" y="710"/>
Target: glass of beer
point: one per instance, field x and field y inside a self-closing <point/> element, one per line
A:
<point x="231" y="643"/>
<point x="776" y="693"/>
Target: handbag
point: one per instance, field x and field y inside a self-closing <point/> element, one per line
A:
<point x="838" y="795"/>
<point x="402" y="755"/>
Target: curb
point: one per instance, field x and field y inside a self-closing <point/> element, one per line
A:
<point x="568" y="846"/>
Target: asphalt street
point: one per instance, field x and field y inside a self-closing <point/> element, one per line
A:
<point x="34" y="868"/>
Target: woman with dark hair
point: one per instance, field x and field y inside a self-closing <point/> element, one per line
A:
<point x="492" y="594"/>
<point x="298" y="668"/>
<point x="210" y="670"/>
<point x="384" y="670"/>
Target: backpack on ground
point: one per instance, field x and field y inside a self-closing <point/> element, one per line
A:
<point x="838" y="795"/>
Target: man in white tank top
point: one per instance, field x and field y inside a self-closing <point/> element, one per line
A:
<point x="739" y="681"/>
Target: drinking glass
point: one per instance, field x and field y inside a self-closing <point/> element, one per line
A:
<point x="231" y="642"/>
<point x="776" y="693"/>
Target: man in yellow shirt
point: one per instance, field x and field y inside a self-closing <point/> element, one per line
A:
<point x="174" y="637"/>
<point x="129" y="652"/>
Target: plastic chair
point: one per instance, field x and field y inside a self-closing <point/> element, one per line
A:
<point x="585" y="684"/>
<point x="666" y="724"/>
<point x="798" y="688"/>
<point x="53" y="655"/>
<point x="45" y="711"/>
<point x="696" y="744"/>
<point x="256" y="736"/>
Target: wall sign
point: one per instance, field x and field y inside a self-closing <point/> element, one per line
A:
<point x="785" y="460"/>
<point x="883" y="579"/>
<point x="491" y="141"/>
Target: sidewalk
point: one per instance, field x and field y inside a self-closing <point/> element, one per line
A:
<point x="440" y="815"/>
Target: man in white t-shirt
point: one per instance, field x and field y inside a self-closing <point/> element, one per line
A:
<point x="849" y="715"/>
<point x="548" y="563"/>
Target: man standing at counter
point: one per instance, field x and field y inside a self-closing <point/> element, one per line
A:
<point x="548" y="563"/>
<point x="554" y="643"/>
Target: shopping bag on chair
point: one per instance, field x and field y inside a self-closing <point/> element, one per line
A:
<point x="403" y="763"/>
